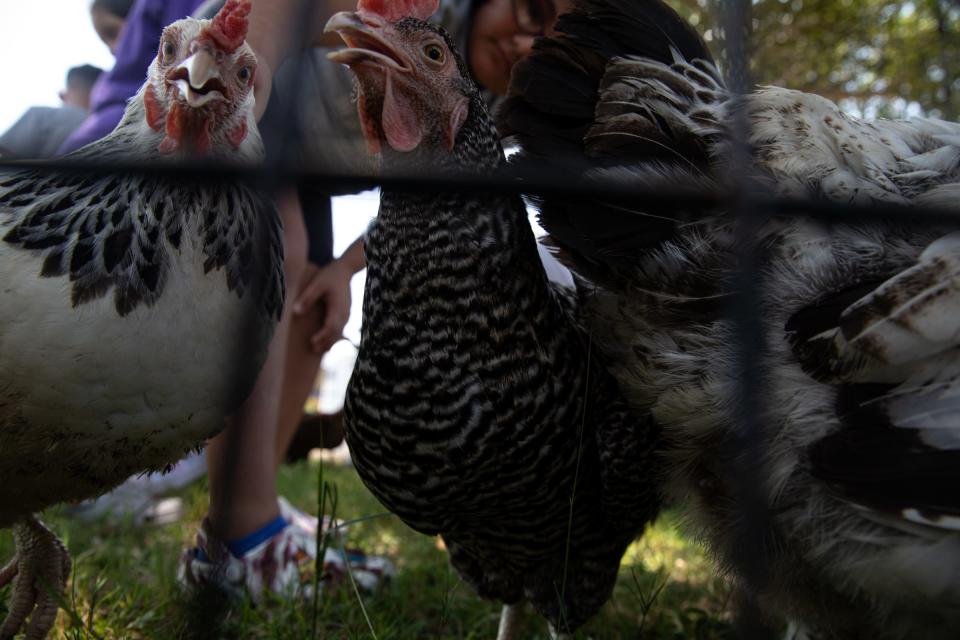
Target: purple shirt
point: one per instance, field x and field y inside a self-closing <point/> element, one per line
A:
<point x="136" y="49"/>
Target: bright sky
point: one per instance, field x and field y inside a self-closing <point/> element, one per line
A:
<point x="39" y="41"/>
<point x="351" y="215"/>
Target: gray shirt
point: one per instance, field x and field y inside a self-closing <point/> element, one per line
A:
<point x="41" y="130"/>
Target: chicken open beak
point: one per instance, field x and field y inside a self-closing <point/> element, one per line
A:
<point x="198" y="79"/>
<point x="365" y="45"/>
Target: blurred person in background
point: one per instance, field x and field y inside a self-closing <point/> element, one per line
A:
<point x="108" y="17"/>
<point x="41" y="130"/>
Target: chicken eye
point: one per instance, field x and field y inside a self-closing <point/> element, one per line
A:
<point x="243" y="75"/>
<point x="434" y="53"/>
<point x="167" y="51"/>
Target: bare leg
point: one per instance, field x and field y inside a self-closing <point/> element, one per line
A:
<point x="241" y="461"/>
<point x="40" y="573"/>
<point x="302" y="365"/>
<point x="508" y="622"/>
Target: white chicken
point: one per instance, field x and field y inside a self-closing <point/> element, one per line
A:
<point x="135" y="309"/>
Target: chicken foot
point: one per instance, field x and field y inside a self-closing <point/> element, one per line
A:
<point x="508" y="622"/>
<point x="40" y="565"/>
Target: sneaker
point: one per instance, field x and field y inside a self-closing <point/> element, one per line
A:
<point x="303" y="520"/>
<point x="283" y="564"/>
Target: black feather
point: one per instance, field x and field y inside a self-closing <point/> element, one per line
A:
<point x="824" y="314"/>
<point x="813" y="333"/>
<point x="115" y="247"/>
<point x="563" y="75"/>
<point x="555" y="113"/>
<point x="876" y="464"/>
<point x="648" y="28"/>
<point x="53" y="265"/>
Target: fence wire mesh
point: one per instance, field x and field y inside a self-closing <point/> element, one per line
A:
<point x="746" y="199"/>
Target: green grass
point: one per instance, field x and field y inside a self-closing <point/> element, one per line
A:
<point x="123" y="583"/>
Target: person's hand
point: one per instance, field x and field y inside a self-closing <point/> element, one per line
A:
<point x="329" y="287"/>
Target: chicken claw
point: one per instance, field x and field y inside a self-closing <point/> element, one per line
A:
<point x="41" y="564"/>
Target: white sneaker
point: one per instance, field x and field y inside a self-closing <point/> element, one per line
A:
<point x="284" y="564"/>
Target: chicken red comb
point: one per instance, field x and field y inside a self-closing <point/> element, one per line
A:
<point x="229" y="27"/>
<point x="393" y="10"/>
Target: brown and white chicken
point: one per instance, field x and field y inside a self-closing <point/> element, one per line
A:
<point x="850" y="524"/>
<point x="135" y="308"/>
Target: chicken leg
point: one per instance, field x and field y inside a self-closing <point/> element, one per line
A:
<point x="40" y="566"/>
<point x="508" y="622"/>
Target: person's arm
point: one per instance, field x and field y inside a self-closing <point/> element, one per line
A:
<point x="330" y="286"/>
<point x="273" y="33"/>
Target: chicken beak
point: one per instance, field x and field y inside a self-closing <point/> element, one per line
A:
<point x="345" y="20"/>
<point x="200" y="69"/>
<point x="360" y="32"/>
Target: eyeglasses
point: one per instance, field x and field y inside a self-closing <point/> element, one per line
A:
<point x="534" y="16"/>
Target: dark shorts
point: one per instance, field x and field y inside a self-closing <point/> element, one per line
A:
<point x="318" y="218"/>
<point x="281" y="148"/>
<point x="317" y="211"/>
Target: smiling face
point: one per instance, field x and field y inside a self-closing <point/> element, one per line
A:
<point x="200" y="89"/>
<point x="414" y="92"/>
<point x="497" y="41"/>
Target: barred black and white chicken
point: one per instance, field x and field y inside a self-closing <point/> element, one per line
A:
<point x="859" y="419"/>
<point x="475" y="410"/>
<point x="135" y="309"/>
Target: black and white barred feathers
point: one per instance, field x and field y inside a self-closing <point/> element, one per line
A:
<point x="858" y="462"/>
<point x="477" y="410"/>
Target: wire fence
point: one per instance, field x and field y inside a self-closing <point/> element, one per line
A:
<point x="746" y="483"/>
<point x="746" y="200"/>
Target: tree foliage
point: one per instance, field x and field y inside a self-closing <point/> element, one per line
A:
<point x="878" y="57"/>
